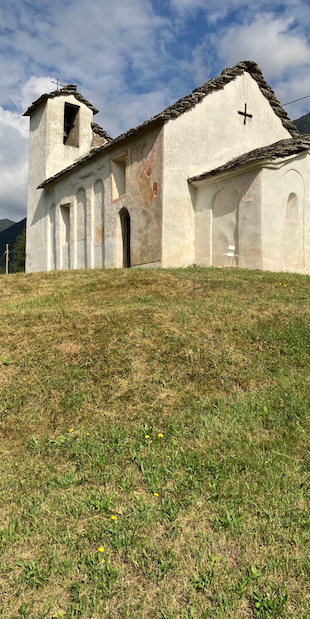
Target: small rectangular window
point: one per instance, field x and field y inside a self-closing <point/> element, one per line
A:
<point x="71" y="125"/>
<point x="118" y="177"/>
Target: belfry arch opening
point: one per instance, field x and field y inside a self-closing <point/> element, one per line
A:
<point x="71" y="125"/>
<point x="125" y="227"/>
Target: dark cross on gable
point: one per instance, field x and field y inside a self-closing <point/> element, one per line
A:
<point x="57" y="83"/>
<point x="245" y="114"/>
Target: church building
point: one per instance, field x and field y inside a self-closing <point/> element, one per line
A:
<point x="218" y="179"/>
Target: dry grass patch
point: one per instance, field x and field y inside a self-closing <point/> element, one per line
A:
<point x="177" y="402"/>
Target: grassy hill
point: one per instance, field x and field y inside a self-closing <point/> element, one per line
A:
<point x="303" y="124"/>
<point x="155" y="444"/>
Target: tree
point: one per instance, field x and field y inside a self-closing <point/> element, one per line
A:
<point x="19" y="253"/>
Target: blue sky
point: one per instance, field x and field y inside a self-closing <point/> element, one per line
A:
<point x="133" y="58"/>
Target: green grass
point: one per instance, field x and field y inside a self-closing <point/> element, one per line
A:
<point x="164" y="417"/>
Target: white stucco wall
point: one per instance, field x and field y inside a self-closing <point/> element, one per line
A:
<point x="83" y="200"/>
<point x="272" y="226"/>
<point x="84" y="193"/>
<point x="93" y="219"/>
<point x="206" y="136"/>
<point x="58" y="154"/>
<point x="285" y="234"/>
<point x="228" y="213"/>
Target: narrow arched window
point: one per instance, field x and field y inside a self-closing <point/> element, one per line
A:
<point x="125" y="227"/>
<point x="292" y="208"/>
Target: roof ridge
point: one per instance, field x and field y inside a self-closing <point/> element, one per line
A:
<point x="70" y="89"/>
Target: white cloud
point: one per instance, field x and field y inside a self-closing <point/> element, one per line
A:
<point x="295" y="87"/>
<point x="185" y="6"/>
<point x="33" y="89"/>
<point x="134" y="109"/>
<point x="12" y="119"/>
<point x="14" y="167"/>
<point x="269" y="41"/>
<point x="198" y="64"/>
<point x="217" y="11"/>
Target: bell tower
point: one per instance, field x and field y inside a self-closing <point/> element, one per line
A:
<point x="60" y="134"/>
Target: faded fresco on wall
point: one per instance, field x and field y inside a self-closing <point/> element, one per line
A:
<point x="143" y="186"/>
<point x="146" y="189"/>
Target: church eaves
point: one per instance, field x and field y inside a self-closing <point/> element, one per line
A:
<point x="277" y="150"/>
<point x="70" y="89"/>
<point x="189" y="101"/>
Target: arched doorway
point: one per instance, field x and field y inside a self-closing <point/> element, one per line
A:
<point x="125" y="226"/>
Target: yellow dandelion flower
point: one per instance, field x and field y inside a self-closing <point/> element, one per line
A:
<point x="147" y="436"/>
<point x="292" y="290"/>
<point x="280" y="284"/>
<point x="71" y="430"/>
<point x="156" y="494"/>
<point x="113" y="517"/>
<point x="101" y="549"/>
<point x="285" y="285"/>
<point x="160" y="435"/>
<point x="87" y="434"/>
<point x="102" y="560"/>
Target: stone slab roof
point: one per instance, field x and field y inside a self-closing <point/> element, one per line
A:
<point x="70" y="89"/>
<point x="277" y="150"/>
<point x="186" y="103"/>
<point x="101" y="132"/>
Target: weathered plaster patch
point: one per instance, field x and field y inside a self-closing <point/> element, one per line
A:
<point x="147" y="190"/>
<point x="99" y="234"/>
<point x="253" y="191"/>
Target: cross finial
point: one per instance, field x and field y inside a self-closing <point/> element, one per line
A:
<point x="61" y="86"/>
<point x="245" y="114"/>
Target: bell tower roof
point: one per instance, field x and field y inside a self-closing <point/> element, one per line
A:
<point x="69" y="89"/>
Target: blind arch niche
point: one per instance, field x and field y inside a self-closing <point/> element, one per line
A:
<point x="224" y="226"/>
<point x="98" y="224"/>
<point x="293" y="221"/>
<point x="81" y="229"/>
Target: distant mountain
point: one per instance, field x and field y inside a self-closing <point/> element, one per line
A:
<point x="303" y="123"/>
<point x="5" y="223"/>
<point x="8" y="236"/>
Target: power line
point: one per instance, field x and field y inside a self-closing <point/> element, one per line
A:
<point x="301" y="98"/>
